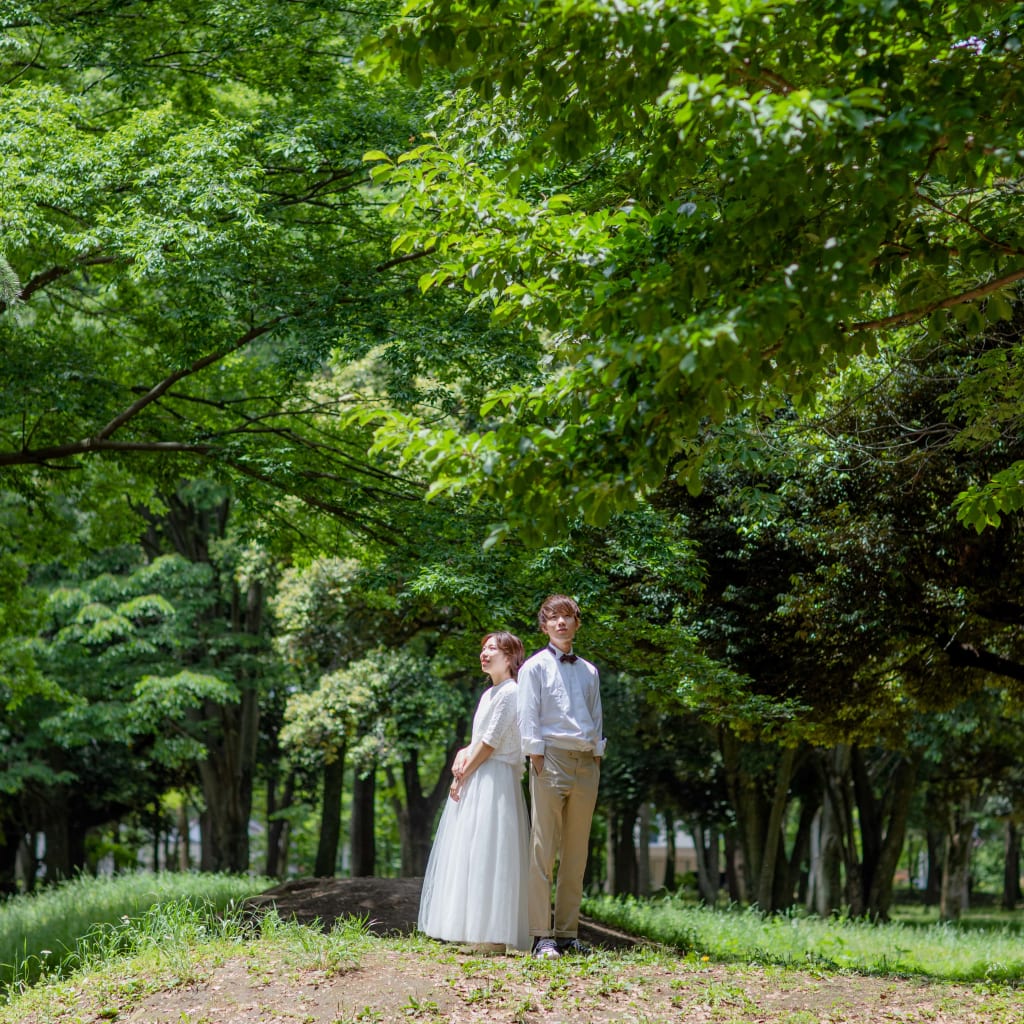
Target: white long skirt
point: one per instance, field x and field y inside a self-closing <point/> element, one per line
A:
<point x="474" y="888"/>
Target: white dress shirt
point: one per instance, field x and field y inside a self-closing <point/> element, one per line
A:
<point x="560" y="704"/>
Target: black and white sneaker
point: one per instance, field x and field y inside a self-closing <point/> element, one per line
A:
<point x="545" y="949"/>
<point x="573" y="947"/>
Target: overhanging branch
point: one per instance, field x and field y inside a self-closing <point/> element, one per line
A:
<point x="92" y="445"/>
<point x="914" y="315"/>
<point x="200" y="364"/>
<point x="965" y="655"/>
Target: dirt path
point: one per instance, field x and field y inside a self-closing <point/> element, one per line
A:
<point x="394" y="986"/>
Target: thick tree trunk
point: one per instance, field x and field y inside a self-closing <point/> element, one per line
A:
<point x="416" y="815"/>
<point x="956" y="864"/>
<point x="227" y="775"/>
<point x="839" y="793"/>
<point x="362" y="834"/>
<point x="747" y="804"/>
<point x="869" y="818"/>
<point x="9" y="843"/>
<point x="900" y="793"/>
<point x="1011" y="866"/>
<point x="625" y="872"/>
<point x="230" y="731"/>
<point x="26" y="865"/>
<point x="330" y="818"/>
<point x="65" y="836"/>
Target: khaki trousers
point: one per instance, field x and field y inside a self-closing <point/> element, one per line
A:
<point x="562" y="801"/>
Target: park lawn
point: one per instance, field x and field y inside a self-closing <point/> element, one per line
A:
<point x="295" y="973"/>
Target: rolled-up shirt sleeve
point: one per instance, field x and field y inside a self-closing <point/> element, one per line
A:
<point x="597" y="714"/>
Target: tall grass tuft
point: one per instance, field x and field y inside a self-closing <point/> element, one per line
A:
<point x="943" y="951"/>
<point x="61" y="928"/>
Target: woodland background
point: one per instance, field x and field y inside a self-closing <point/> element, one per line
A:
<point x="334" y="335"/>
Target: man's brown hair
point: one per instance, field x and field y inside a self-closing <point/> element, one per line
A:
<point x="557" y="604"/>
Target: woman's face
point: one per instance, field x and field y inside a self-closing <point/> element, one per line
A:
<point x="494" y="661"/>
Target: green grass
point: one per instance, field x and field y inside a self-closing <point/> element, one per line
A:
<point x="971" y="952"/>
<point x="736" y="965"/>
<point x="175" y="945"/>
<point x="60" y="928"/>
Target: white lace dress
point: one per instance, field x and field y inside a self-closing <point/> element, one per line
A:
<point x="474" y="888"/>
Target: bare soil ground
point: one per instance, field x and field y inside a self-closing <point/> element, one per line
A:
<point x="622" y="981"/>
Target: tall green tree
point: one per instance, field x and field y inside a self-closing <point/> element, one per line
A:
<point x="187" y="238"/>
<point x="702" y="209"/>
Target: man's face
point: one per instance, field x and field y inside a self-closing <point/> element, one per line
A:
<point x="561" y="627"/>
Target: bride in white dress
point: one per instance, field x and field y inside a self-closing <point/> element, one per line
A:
<point x="474" y="888"/>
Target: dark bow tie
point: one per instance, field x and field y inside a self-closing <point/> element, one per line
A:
<point x="571" y="658"/>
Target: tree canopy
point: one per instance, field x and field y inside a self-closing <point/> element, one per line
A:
<point x="704" y="209"/>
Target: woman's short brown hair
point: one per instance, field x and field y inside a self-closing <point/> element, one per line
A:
<point x="511" y="646"/>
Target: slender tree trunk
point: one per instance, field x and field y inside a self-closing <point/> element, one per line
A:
<point x="157" y="836"/>
<point x="611" y="845"/>
<point x="1011" y="866"/>
<point x="933" y="885"/>
<point x="748" y="806"/>
<point x="363" y="830"/>
<point x="184" y="858"/>
<point x="206" y="841"/>
<point x="643" y="863"/>
<point x="326" y="862"/>
<point x="278" y="827"/>
<point x="773" y="840"/>
<point x="669" y="878"/>
<point x="705" y="844"/>
<point x="829" y="875"/>
<point x="799" y="856"/>
<point x="735" y="871"/>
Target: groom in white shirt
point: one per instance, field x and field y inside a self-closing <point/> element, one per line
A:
<point x="561" y="724"/>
